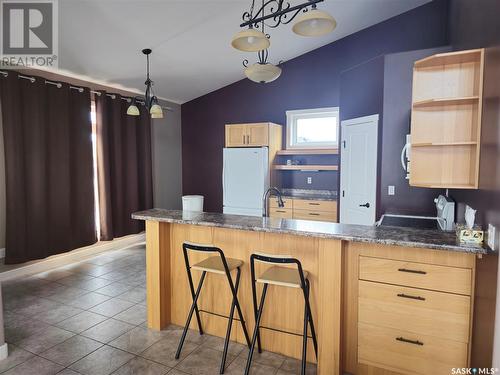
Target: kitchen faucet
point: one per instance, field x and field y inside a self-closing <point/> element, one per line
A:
<point x="265" y="202"/>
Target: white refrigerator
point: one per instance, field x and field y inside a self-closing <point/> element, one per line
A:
<point x="245" y="178"/>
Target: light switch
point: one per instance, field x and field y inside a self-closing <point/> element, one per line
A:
<point x="309" y="180"/>
<point x="391" y="190"/>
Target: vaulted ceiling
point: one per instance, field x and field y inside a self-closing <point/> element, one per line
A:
<point x="192" y="56"/>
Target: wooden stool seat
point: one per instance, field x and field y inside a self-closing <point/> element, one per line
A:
<point x="281" y="276"/>
<point x="214" y="264"/>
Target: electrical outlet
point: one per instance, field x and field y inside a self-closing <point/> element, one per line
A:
<point x="492" y="237"/>
<point x="309" y="180"/>
<point x="391" y="190"/>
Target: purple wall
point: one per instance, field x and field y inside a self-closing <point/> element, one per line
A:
<point x="308" y="81"/>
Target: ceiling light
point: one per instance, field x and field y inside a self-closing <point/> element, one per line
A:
<point x="133" y="110"/>
<point x="263" y="73"/>
<point x="250" y="40"/>
<point x="155" y="111"/>
<point x="150" y="100"/>
<point x="314" y="23"/>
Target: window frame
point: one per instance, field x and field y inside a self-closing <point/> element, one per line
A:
<point x="291" y="127"/>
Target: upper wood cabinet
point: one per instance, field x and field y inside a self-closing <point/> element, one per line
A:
<point x="446" y="120"/>
<point x="253" y="135"/>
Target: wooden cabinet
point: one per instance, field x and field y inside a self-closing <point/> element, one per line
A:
<point x="236" y="136"/>
<point x="446" y="120"/>
<point x="304" y="209"/>
<point x="409" y="309"/>
<point x="254" y="135"/>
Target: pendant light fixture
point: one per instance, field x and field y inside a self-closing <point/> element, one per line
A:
<point x="150" y="99"/>
<point x="262" y="71"/>
<point x="250" y="40"/>
<point x="312" y="22"/>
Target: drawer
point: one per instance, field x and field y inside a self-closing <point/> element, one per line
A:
<point x="288" y="203"/>
<point x="314" y="215"/>
<point x="398" y="351"/>
<point x="418" y="311"/>
<point x="280" y="212"/>
<point x="314" y="205"/>
<point x="417" y="275"/>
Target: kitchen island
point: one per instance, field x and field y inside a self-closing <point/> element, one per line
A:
<point x="339" y="259"/>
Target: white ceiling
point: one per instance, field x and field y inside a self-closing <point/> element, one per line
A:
<point x="192" y="56"/>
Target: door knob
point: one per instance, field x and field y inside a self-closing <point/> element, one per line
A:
<point x="367" y="205"/>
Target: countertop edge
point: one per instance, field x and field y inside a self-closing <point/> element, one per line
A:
<point x="349" y="238"/>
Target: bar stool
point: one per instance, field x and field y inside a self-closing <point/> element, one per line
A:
<point x="217" y="264"/>
<point x="281" y="276"/>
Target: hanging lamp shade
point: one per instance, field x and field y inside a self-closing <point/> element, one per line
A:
<point x="156" y="111"/>
<point x="250" y="40"/>
<point x="314" y="23"/>
<point x="132" y="109"/>
<point x="263" y="73"/>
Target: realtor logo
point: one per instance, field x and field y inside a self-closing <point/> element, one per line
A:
<point x="29" y="33"/>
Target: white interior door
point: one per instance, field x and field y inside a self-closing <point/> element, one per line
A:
<point x="358" y="170"/>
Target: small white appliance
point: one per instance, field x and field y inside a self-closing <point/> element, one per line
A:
<point x="405" y="157"/>
<point x="245" y="178"/>
<point x="445" y="219"/>
<point x="445" y="212"/>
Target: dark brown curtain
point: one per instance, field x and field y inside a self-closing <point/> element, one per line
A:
<point x="124" y="166"/>
<point x="49" y="168"/>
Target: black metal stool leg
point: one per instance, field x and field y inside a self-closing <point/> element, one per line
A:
<point x="256" y="330"/>
<point x="190" y="315"/>
<point x="304" y="338"/>
<point x="254" y="298"/>
<point x="311" y="323"/>
<point x="230" y="321"/>
<point x="234" y="291"/>
<point x="191" y="287"/>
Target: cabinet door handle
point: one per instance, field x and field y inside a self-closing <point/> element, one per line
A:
<point x="412" y="271"/>
<point x="244" y="138"/>
<point x="414" y="342"/>
<point x="248" y="139"/>
<point x="402" y="295"/>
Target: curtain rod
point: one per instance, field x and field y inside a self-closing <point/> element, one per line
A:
<point x="80" y="89"/>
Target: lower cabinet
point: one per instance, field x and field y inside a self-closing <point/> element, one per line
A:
<point x="304" y="209"/>
<point x="410" y="310"/>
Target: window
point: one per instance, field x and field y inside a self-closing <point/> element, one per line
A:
<point x="313" y="128"/>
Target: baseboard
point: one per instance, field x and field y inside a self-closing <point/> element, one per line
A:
<point x="73" y="256"/>
<point x="4" y="351"/>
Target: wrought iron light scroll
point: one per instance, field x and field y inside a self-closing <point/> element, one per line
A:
<point x="279" y="12"/>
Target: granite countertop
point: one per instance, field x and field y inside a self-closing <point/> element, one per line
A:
<point x="317" y="195"/>
<point x="409" y="237"/>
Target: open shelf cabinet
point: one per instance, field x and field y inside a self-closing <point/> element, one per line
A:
<point x="446" y="120"/>
<point x="303" y="167"/>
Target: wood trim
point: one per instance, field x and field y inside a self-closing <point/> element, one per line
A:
<point x="330" y="265"/>
<point x="306" y="167"/>
<point x="158" y="274"/>
<point x="332" y="151"/>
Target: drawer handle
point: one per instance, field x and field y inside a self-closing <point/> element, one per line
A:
<point x="281" y="211"/>
<point x="313" y="204"/>
<point x="313" y="214"/>
<point x="414" y="342"/>
<point x="412" y="271"/>
<point x="402" y="295"/>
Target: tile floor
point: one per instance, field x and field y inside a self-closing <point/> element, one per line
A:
<point x="89" y="318"/>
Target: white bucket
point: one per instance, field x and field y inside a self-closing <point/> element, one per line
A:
<point x="192" y="203"/>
